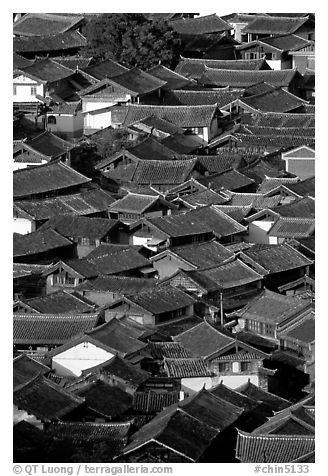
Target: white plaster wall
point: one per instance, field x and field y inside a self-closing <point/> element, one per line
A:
<point x="196" y="383"/>
<point x="98" y="121"/>
<point x="257" y="231"/>
<point x="75" y="359"/>
<point x="23" y="89"/>
<point x="234" y="381"/>
<point x="274" y="64"/>
<point x="22" y="226"/>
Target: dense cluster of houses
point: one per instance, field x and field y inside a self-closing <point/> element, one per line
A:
<point x="164" y="302"/>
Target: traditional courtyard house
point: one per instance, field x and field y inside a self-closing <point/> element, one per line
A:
<point x="47" y="180"/>
<point x="68" y="274"/>
<point x="223" y="98"/>
<point x="87" y="233"/>
<point x="61" y="302"/>
<point x="300" y="208"/>
<point x="270" y="313"/>
<point x="300" y="161"/>
<point x="28" y="280"/>
<point x="202" y="121"/>
<point x="192" y="373"/>
<point x="153" y="306"/>
<point x="133" y="206"/>
<point x="198" y="255"/>
<point x="195" y="67"/>
<point x="29" y="215"/>
<point x="34" y="83"/>
<point x="271" y="185"/>
<point x="286" y="229"/>
<point x="201" y="224"/>
<point x="231" y="361"/>
<point x="278" y="264"/>
<point x="238" y="21"/>
<point x="42" y="247"/>
<point x="202" y="25"/>
<point x="277" y="50"/>
<point x="130" y="86"/>
<point x="96" y="347"/>
<point x="41" y="24"/>
<point x="263" y="26"/>
<point x="255" y="201"/>
<point x="269" y="99"/>
<point x="105" y="290"/>
<point x="218" y="78"/>
<point x="68" y="43"/>
<point x="173" y="79"/>
<point x="202" y="198"/>
<point x="259" y="225"/>
<point x="230" y="179"/>
<point x="275" y="119"/>
<point x="40" y="401"/>
<point x="36" y="333"/>
<point x="170" y="436"/>
<point x="42" y="149"/>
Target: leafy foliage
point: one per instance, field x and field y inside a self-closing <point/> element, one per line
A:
<point x="132" y="40"/>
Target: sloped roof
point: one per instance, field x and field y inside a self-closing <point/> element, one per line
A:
<point x="52" y="329"/>
<point x="232" y="396"/>
<point x="271" y="183"/>
<point x="186" y="368"/>
<point x="117" y="284"/>
<point x="276" y="448"/>
<point x="183" y="97"/>
<point x="137" y="82"/>
<point x="60" y="302"/>
<point x="48" y="145"/>
<point x="74" y="62"/>
<point x="201" y="220"/>
<point x="173" y="79"/>
<point x="151" y="402"/>
<point x="46" y="24"/>
<point x="161" y="299"/>
<point x="158" y="124"/>
<point x="255" y="200"/>
<point x="105" y="69"/>
<point x="47" y="70"/>
<point x="59" y="42"/>
<point x="274" y="401"/>
<point x="137" y="203"/>
<point x="79" y="226"/>
<point x="202" y="254"/>
<point x="273" y="307"/>
<point x="301" y="208"/>
<point x="20" y="62"/>
<point x="292" y="227"/>
<point x="276" y="258"/>
<point x="303" y="332"/>
<point x="118" y="261"/>
<point x="84" y="203"/>
<point x="242" y="79"/>
<point x="271" y="25"/>
<point x="228" y="179"/>
<point x="276" y="100"/>
<point x="38" y="242"/>
<point x="23" y="270"/>
<point x="280" y="119"/>
<point x="89" y="431"/>
<point x="160" y="172"/>
<point x="171" y="350"/>
<point x="286" y="42"/>
<point x="195" y="67"/>
<point x="45" y="178"/>
<point x="183" y="116"/>
<point x="202" y="198"/>
<point x="303" y="188"/>
<point x="25" y="368"/>
<point x="203" y="340"/>
<point x="44" y="399"/>
<point x="200" y="25"/>
<point x="238" y="213"/>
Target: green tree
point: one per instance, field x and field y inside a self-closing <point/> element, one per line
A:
<point x="132" y="40"/>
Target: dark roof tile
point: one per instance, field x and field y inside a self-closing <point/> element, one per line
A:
<point x="46" y="24"/>
<point x="59" y="42"/>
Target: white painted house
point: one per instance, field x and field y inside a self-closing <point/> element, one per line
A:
<point x="300" y="161"/>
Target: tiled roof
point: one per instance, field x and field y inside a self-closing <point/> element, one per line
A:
<point x="201" y="220"/>
<point x="153" y="122"/>
<point x="200" y="25"/>
<point x="137" y="82"/>
<point x="79" y="226"/>
<point x="62" y="41"/>
<point x="117" y="284"/>
<point x="171" y="350"/>
<point x="173" y="79"/>
<point x="276" y="100"/>
<point x="195" y="67"/>
<point x="120" y="368"/>
<point x="228" y="179"/>
<point x="286" y="42"/>
<point x="25" y="368"/>
<point x="183" y="143"/>
<point x="238" y="213"/>
<point x="254" y="200"/>
<point x="73" y="62"/>
<point x="48" y="145"/>
<point x="118" y="262"/>
<point x="153" y="401"/>
<point x="292" y="227"/>
<point x="302" y="208"/>
<point x="86" y="431"/>
<point x="202" y="254"/>
<point x="38" y="242"/>
<point x="308" y="133"/>
<point x="60" y="302"/>
<point x="70" y="108"/>
<point x="46" y="178"/>
<point x="163" y="172"/>
<point x="105" y="399"/>
<point x="47" y="70"/>
<point x="183" y="116"/>
<point x="203" y="340"/>
<point x="22" y="270"/>
<point x="272" y="448"/>
<point x="303" y="188"/>
<point x="272" y="307"/>
<point x="303" y="332"/>
<point x="186" y="368"/>
<point x="279" y="119"/>
<point x="45" y="24"/>
<point x="196" y="98"/>
<point x="232" y="396"/>
<point x="161" y="299"/>
<point x="203" y="198"/>
<point x="151" y="149"/>
<point x="270" y="183"/>
<point x="274" y="401"/>
<point x="242" y="79"/>
<point x="52" y="329"/>
<point x="20" y="62"/>
<point x="105" y="69"/>
<point x="85" y="203"/>
<point x="271" y="25"/>
<point x="44" y="399"/>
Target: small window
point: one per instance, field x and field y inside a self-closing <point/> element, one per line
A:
<point x="51" y="120"/>
<point x="224" y="367"/>
<point x="33" y="90"/>
<point x="15" y="90"/>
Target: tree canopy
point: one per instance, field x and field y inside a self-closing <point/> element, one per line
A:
<point x="132" y="40"/>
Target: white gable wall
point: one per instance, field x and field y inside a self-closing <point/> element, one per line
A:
<point x="23" y="86"/>
<point x="80" y="357"/>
